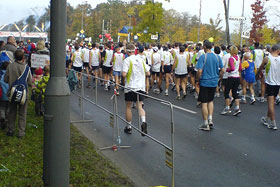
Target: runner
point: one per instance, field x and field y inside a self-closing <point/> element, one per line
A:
<point x="107" y="65"/>
<point x="77" y="62"/>
<point x="117" y="67"/>
<point x="233" y="69"/>
<point x="249" y="69"/>
<point x="181" y="71"/>
<point x="134" y="72"/>
<point x="166" y="64"/>
<point x="208" y="66"/>
<point x="94" y="60"/>
<point x="271" y="65"/>
<point x="258" y="56"/>
<point x="156" y="63"/>
<point x="148" y="53"/>
<point x="85" y="52"/>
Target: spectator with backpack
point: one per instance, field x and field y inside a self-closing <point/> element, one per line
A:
<point x="18" y="76"/>
<point x="4" y="98"/>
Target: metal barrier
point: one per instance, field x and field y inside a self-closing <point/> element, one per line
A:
<point x="114" y="116"/>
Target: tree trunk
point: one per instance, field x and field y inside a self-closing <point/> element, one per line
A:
<point x="226" y="6"/>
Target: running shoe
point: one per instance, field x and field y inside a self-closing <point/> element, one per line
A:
<point x="211" y="124"/>
<point x="264" y="121"/>
<point x="271" y="126"/>
<point x="217" y="95"/>
<point x="243" y="100"/>
<point x="173" y="86"/>
<point x="118" y="93"/>
<point x="128" y="129"/>
<point x="178" y="97"/>
<point x="277" y="101"/>
<point x="144" y="129"/>
<point x="166" y="92"/>
<point x="236" y="112"/>
<point x="253" y="100"/>
<point x="204" y="127"/>
<point x="198" y="104"/>
<point x="225" y="111"/>
<point x="106" y="88"/>
<point x="88" y="86"/>
<point x="262" y="100"/>
<point x="184" y="95"/>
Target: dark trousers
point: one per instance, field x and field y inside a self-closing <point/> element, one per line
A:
<point x="13" y="110"/>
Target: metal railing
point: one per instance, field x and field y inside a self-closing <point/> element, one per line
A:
<point x="169" y="151"/>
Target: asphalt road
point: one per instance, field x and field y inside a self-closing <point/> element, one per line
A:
<point x="240" y="151"/>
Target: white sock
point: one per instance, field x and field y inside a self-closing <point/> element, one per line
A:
<point x="237" y="107"/>
<point x="210" y="117"/>
<point x="205" y="122"/>
<point x="227" y="107"/>
<point x="273" y="122"/>
<point x="143" y="118"/>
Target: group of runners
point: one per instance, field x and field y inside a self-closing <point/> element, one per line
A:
<point x="195" y="68"/>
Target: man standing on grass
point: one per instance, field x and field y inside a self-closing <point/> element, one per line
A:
<point x="208" y="67"/>
<point x="13" y="72"/>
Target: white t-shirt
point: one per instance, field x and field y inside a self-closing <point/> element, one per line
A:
<point x="85" y="52"/>
<point x="167" y="58"/>
<point x="143" y="57"/>
<point x="258" y="57"/>
<point x="108" y="58"/>
<point x="272" y="72"/>
<point x="136" y="79"/>
<point x="182" y="64"/>
<point x="157" y="62"/>
<point x="94" y="57"/>
<point x="200" y="53"/>
<point x="118" y="61"/>
<point x="149" y="57"/>
<point x="225" y="60"/>
<point x="77" y="59"/>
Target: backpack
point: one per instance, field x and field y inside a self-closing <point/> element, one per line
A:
<point x="4" y="87"/>
<point x="18" y="93"/>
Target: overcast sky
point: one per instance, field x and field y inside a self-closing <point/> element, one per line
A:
<point x="14" y="10"/>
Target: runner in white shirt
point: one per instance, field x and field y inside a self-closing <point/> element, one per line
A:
<point x="156" y="63"/>
<point x="77" y="62"/>
<point x="134" y="72"/>
<point x="166" y="64"/>
<point x="117" y="67"/>
<point x="181" y="71"/>
<point x="258" y="56"/>
<point x="107" y="65"/>
<point x="271" y="66"/>
<point x="148" y="53"/>
<point x="85" y="52"/>
<point x="94" y="60"/>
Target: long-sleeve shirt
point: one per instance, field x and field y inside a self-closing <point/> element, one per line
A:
<point x="234" y="67"/>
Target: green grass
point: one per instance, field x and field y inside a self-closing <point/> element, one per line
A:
<point x="24" y="159"/>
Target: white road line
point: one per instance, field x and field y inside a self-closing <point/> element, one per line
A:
<point x="181" y="108"/>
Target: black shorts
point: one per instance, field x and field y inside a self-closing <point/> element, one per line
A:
<point x="181" y="76"/>
<point x="224" y="82"/>
<point x="232" y="84"/>
<point x="272" y="90"/>
<point x="106" y="70"/>
<point x="86" y="65"/>
<point x="95" y="68"/>
<point x="206" y="94"/>
<point x="68" y="63"/>
<point x="78" y="69"/>
<point x="167" y="68"/>
<point x="132" y="96"/>
<point x="155" y="73"/>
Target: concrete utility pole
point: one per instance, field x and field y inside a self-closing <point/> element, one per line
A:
<point x="199" y="21"/>
<point x="241" y="25"/>
<point x="57" y="118"/>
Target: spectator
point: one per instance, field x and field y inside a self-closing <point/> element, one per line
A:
<point x="10" y="48"/>
<point x="14" y="71"/>
<point x="4" y="99"/>
<point x="40" y="90"/>
<point x="36" y="78"/>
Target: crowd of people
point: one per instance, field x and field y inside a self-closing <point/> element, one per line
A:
<point x="17" y="75"/>
<point x="205" y="70"/>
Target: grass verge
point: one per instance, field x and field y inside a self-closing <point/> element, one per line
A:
<point x="24" y="159"/>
